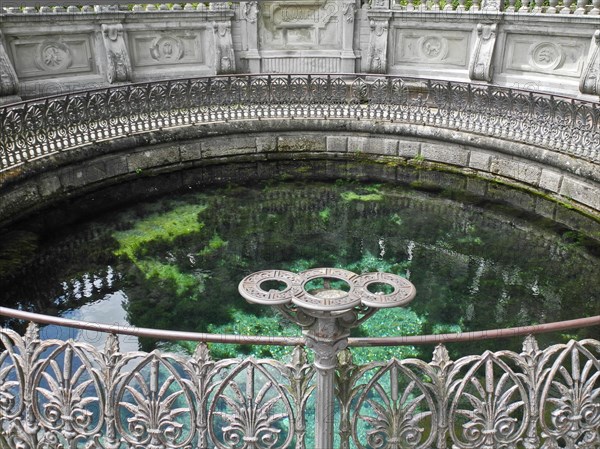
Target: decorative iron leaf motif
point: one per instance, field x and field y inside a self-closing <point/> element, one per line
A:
<point x="490" y="406"/>
<point x="62" y="394"/>
<point x="155" y="404"/>
<point x="570" y="400"/>
<point x="250" y="409"/>
<point x="395" y="410"/>
<point x="68" y="396"/>
<point x="12" y="381"/>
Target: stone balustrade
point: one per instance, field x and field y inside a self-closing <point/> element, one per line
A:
<point x="551" y="48"/>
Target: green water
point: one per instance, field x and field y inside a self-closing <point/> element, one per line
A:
<point x="174" y="262"/>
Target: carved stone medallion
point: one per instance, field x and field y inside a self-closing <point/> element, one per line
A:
<point x="546" y="56"/>
<point x="53" y="56"/>
<point x="166" y="48"/>
<point x="433" y="47"/>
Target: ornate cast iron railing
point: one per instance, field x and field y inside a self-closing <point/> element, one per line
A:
<point x="41" y="128"/>
<point x="69" y="394"/>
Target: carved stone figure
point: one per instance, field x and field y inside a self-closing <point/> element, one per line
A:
<point x="590" y="78"/>
<point x="378" y="46"/>
<point x="349" y="11"/>
<point x="251" y="11"/>
<point x="8" y="76"/>
<point x="224" y="56"/>
<point x="118" y="63"/>
<point x="481" y="67"/>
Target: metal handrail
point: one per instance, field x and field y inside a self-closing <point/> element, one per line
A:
<point x="164" y="334"/>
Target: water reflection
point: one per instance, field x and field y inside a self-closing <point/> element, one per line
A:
<point x="477" y="261"/>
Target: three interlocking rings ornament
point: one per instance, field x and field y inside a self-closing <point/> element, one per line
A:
<point x="294" y="289"/>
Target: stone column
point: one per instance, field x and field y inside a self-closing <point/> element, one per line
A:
<point x="348" y="63"/>
<point x="118" y="68"/>
<point x="590" y="77"/>
<point x="481" y="65"/>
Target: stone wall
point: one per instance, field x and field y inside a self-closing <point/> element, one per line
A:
<point x="54" y="50"/>
<point x="364" y="145"/>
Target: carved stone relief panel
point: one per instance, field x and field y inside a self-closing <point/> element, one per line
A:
<point x="224" y="56"/>
<point x="590" y="78"/>
<point x="377" y="61"/>
<point x="431" y="47"/>
<point x="298" y="25"/>
<point x="52" y="55"/>
<point x="480" y="66"/>
<point x="166" y="48"/>
<point x="118" y="63"/>
<point x="558" y="55"/>
<point x="8" y="78"/>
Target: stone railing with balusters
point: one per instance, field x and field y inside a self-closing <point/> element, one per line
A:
<point x="576" y="7"/>
<point x="57" y="393"/>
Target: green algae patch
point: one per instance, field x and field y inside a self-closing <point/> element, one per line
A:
<point x="167" y="226"/>
<point x="170" y="274"/>
<point x="215" y="243"/>
<point x="353" y="196"/>
<point x="325" y="214"/>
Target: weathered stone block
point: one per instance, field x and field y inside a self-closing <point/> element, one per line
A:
<point x="228" y="146"/>
<point x="49" y="185"/>
<point x="387" y="147"/>
<point x="476" y="186"/>
<point x="408" y="149"/>
<point x="337" y="144"/>
<point x="545" y="208"/>
<point x="479" y="160"/>
<point x="153" y="158"/>
<point x="266" y="144"/>
<point x="520" y="171"/>
<point x="582" y="192"/>
<point x="447" y="154"/>
<point x="105" y="168"/>
<point x="17" y="200"/>
<point x="550" y="180"/>
<point x="358" y="144"/>
<point x="190" y="151"/>
<point x="306" y="143"/>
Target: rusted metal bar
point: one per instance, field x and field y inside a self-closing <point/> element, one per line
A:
<point x="162" y="334"/>
<point x="477" y="335"/>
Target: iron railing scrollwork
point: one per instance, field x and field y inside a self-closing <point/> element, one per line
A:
<point x="41" y="128"/>
<point x="70" y="394"/>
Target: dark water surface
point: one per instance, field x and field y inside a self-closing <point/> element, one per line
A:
<point x="173" y="261"/>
